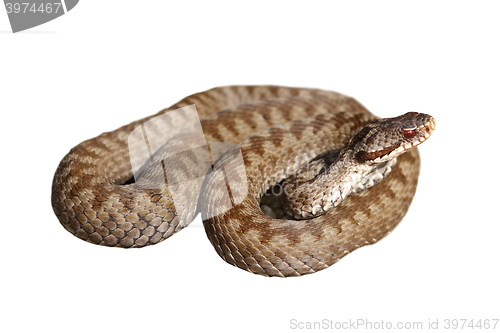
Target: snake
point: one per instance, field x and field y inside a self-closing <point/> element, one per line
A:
<point x="288" y="180"/>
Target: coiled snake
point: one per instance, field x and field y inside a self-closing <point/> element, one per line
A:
<point x="269" y="133"/>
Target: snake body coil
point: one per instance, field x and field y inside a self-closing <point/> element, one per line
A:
<point x="275" y="131"/>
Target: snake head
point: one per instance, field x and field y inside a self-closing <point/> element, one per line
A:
<point x="387" y="138"/>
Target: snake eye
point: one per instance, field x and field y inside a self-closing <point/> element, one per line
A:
<point x="409" y="133"/>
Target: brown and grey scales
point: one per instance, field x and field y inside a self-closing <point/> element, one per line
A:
<point x="277" y="129"/>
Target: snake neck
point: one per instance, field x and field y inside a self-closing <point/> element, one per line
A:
<point x="366" y="158"/>
<point x="324" y="183"/>
<point x="347" y="176"/>
<point x="338" y="181"/>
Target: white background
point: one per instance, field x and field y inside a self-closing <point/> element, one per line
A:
<point x="107" y="63"/>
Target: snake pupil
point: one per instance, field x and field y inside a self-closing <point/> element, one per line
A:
<point x="409" y="134"/>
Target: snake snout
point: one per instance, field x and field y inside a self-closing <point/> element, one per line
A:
<point x="423" y="126"/>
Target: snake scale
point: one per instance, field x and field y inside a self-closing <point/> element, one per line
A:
<point x="273" y="132"/>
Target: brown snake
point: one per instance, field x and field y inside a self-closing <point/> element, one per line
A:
<point x="277" y="130"/>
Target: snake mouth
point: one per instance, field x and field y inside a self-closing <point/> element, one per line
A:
<point x="426" y="129"/>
